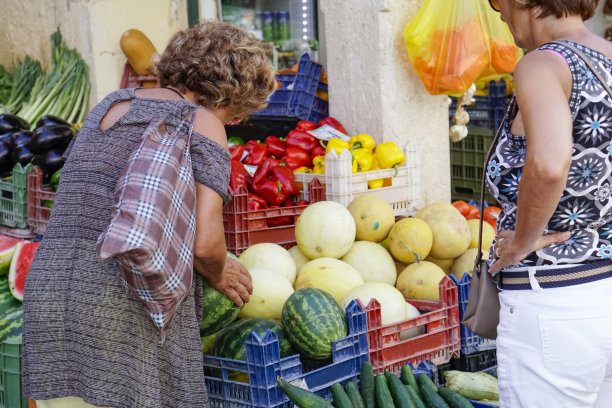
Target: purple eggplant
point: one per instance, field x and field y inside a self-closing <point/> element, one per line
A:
<point x="50" y="137"/>
<point x="12" y="123"/>
<point x="51" y="120"/>
<point x="6" y="161"/>
<point x="21" y="138"/>
<point x="22" y="154"/>
<point x="50" y="161"/>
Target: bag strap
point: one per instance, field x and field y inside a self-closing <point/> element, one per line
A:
<point x="587" y="60"/>
<point x="510" y="109"/>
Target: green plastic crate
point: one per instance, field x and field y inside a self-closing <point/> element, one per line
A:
<point x="14" y="198"/>
<point x="467" y="160"/>
<point x="11" y="395"/>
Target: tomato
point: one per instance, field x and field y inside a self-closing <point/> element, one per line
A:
<point x="491" y="213"/>
<point x="492" y="223"/>
<point x="462" y="206"/>
<point x="473" y="214"/>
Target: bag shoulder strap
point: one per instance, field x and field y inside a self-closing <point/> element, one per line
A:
<point x="587" y="60"/>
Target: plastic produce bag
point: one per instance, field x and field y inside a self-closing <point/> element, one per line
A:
<point x="453" y="44"/>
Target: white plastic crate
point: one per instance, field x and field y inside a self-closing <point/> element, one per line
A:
<point x="342" y="186"/>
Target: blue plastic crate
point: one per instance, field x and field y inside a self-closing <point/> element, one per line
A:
<point x="297" y="96"/>
<point x="488" y="111"/>
<point x="264" y="365"/>
<point x="470" y="342"/>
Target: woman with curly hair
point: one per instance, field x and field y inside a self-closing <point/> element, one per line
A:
<point x="550" y="169"/>
<point x="86" y="339"/>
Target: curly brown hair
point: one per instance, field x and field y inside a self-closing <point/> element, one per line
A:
<point x="223" y="65"/>
<point x="560" y="8"/>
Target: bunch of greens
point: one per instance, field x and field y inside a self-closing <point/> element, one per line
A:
<point x="6" y="83"/>
<point x="63" y="90"/>
<point x="24" y="75"/>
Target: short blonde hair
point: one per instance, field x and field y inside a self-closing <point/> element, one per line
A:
<point x="223" y="65"/>
<point x="560" y="8"/>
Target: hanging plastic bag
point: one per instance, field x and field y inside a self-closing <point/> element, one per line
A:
<point x="453" y="44"/>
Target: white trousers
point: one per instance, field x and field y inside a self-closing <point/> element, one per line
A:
<point x="554" y="347"/>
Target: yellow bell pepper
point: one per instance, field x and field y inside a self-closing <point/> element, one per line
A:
<point x="389" y="156"/>
<point x="378" y="183"/>
<point x="302" y="169"/>
<point x="319" y="165"/>
<point x="364" y="159"/>
<point x="361" y="141"/>
<point x="337" y="145"/>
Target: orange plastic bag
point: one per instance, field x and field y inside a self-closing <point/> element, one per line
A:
<point x="453" y="44"/>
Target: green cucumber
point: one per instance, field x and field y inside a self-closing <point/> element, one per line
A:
<point x="341" y="400"/>
<point x="398" y="392"/>
<point x="454" y="399"/>
<point x="353" y="393"/>
<point x="366" y="385"/>
<point x="408" y="376"/>
<point x="432" y="398"/>
<point x="383" y="395"/>
<point x="301" y="397"/>
<point x="424" y="380"/>
<point x="414" y="395"/>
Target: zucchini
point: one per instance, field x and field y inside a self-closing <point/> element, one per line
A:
<point x="408" y="376"/>
<point x="383" y="396"/>
<point x="398" y="392"/>
<point x="432" y="398"/>
<point x="302" y="398"/>
<point x="341" y="400"/>
<point x="476" y="386"/>
<point x="415" y="397"/>
<point x="353" y="393"/>
<point x="453" y="399"/>
<point x="366" y="385"/>
<point x="424" y="380"/>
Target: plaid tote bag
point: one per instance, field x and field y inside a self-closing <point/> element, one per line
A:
<point x="152" y="228"/>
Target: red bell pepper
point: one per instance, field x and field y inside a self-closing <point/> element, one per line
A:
<point x="255" y="202"/>
<point x="280" y="220"/>
<point x="261" y="174"/>
<point x="302" y="140"/>
<point x="257" y="154"/>
<point x="236" y="152"/>
<point x="333" y="123"/>
<point x="302" y="202"/>
<point x="271" y="191"/>
<point x="317" y="151"/>
<point x="238" y="176"/>
<point x="287" y="179"/>
<point x="297" y="157"/>
<point x="306" y="125"/>
<point x="276" y="146"/>
<point x="248" y="146"/>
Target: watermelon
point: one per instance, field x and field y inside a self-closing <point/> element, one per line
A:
<point x="313" y="319"/>
<point x="7" y="248"/>
<point x="218" y="311"/>
<point x="20" y="265"/>
<point x="7" y="301"/>
<point x="10" y="325"/>
<point x="229" y="343"/>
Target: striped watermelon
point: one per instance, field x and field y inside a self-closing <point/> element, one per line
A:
<point x="7" y="301"/>
<point x="229" y="343"/>
<point x="313" y="319"/>
<point x="20" y="265"/>
<point x="7" y="248"/>
<point x="10" y="325"/>
<point x="218" y="311"/>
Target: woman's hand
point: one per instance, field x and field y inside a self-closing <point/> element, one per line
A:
<point x="234" y="282"/>
<point x="506" y="253"/>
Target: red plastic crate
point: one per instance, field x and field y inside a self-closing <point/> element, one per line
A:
<point x="439" y="344"/>
<point x="244" y="228"/>
<point x="130" y="79"/>
<point x="38" y="214"/>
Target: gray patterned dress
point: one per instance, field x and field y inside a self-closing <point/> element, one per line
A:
<point x="84" y="335"/>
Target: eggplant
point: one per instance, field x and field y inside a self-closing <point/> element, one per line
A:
<point x="51" y="120"/>
<point x="21" y="138"/>
<point x="22" y="154"/>
<point x="12" y="123"/>
<point x="50" y="137"/>
<point x="6" y="162"/>
<point x="50" y="162"/>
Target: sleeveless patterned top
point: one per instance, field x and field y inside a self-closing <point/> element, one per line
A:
<point x="584" y="208"/>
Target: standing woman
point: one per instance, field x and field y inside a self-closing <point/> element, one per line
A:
<point x="86" y="339"/>
<point x="552" y="174"/>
